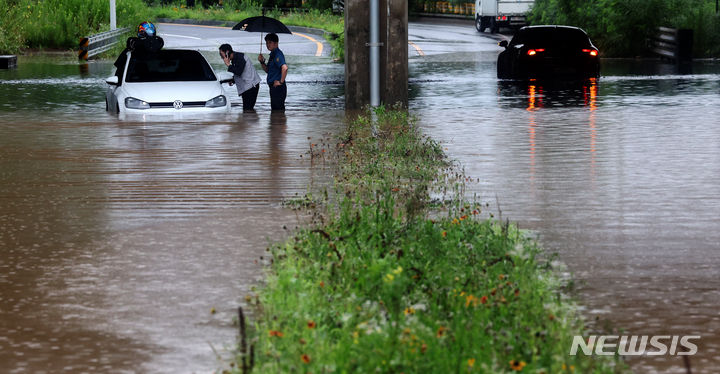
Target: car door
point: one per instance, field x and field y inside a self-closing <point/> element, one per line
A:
<point x="113" y="90"/>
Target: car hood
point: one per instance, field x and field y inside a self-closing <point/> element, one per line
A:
<point x="160" y="92"/>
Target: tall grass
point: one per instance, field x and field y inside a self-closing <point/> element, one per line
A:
<point x="61" y="23"/>
<point x="622" y="28"/>
<point x="12" y="37"/>
<point x="382" y="284"/>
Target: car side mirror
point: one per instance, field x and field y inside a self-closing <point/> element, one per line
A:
<point x="113" y="81"/>
<point x="225" y="77"/>
<point x="503" y="43"/>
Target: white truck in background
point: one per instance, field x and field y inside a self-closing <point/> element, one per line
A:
<point x="493" y="14"/>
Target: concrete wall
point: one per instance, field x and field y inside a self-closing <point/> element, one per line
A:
<point x="393" y="53"/>
<point x="357" y="54"/>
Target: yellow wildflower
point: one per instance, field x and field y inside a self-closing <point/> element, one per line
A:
<point x="440" y="331"/>
<point x="517" y="365"/>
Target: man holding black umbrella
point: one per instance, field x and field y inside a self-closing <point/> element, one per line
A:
<point x="276" y="70"/>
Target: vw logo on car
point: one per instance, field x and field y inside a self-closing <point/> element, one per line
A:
<point x="177" y="104"/>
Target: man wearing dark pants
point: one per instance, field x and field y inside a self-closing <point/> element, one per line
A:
<point x="276" y="70"/>
<point x="245" y="76"/>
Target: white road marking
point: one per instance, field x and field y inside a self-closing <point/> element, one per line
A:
<point x="181" y="36"/>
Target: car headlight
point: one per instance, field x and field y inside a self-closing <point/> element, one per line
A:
<point x="216" y="102"/>
<point x="133" y="103"/>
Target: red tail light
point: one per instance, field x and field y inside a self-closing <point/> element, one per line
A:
<point x="501" y="18"/>
<point x="533" y="52"/>
<point x="592" y="52"/>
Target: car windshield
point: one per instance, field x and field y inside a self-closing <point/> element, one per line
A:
<point x="551" y="37"/>
<point x="169" y="66"/>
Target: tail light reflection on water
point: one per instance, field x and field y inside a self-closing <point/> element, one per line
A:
<point x="535" y="102"/>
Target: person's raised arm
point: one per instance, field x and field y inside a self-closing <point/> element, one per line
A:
<point x="261" y="58"/>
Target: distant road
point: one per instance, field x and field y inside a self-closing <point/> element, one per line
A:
<point x="428" y="36"/>
<point x="210" y="37"/>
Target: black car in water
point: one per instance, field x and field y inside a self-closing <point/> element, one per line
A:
<point x="548" y="52"/>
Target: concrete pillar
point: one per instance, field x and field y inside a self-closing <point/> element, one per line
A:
<point x="357" y="54"/>
<point x="393" y="53"/>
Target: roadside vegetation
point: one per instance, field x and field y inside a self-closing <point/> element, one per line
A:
<point x="389" y="279"/>
<point x="60" y="24"/>
<point x="622" y="28"/>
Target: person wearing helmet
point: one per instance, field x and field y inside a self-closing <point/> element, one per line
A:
<point x="146" y="41"/>
<point x="146" y="29"/>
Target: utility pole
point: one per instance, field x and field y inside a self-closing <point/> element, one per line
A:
<point x="113" y="23"/>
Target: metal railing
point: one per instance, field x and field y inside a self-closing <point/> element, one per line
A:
<point x="673" y="44"/>
<point x="99" y="43"/>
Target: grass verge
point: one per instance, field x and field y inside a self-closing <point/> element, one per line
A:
<point x="382" y="284"/>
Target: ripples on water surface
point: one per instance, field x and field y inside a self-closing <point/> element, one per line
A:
<point x="621" y="177"/>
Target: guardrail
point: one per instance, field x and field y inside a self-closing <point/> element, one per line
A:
<point x="673" y="44"/>
<point x="99" y="43"/>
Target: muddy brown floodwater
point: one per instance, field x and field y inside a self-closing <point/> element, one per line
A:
<point x="118" y="237"/>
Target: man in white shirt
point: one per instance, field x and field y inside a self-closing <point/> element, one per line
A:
<point x="245" y="76"/>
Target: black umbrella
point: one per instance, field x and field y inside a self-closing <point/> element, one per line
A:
<point x="262" y="24"/>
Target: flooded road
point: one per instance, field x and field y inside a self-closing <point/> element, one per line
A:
<point x="118" y="238"/>
<point x="620" y="177"/>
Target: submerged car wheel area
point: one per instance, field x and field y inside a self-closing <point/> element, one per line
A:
<point x="166" y="82"/>
<point x="548" y="52"/>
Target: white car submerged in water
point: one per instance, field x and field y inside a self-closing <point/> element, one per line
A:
<point x="169" y="81"/>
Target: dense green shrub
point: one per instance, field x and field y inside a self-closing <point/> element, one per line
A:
<point x="61" y="23"/>
<point x="319" y="4"/>
<point x="11" y="27"/>
<point x="243" y="5"/>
